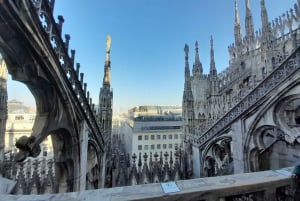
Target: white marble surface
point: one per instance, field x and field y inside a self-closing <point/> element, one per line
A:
<point x="6" y="185"/>
<point x="195" y="189"/>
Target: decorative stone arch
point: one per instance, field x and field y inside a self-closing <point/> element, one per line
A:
<point x="217" y="158"/>
<point x="287" y="112"/>
<point x="263" y="155"/>
<point x="274" y="146"/>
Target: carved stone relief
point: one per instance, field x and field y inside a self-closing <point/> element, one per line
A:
<point x="93" y="174"/>
<point x="218" y="159"/>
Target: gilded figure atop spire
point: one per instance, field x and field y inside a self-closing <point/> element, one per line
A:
<point x="108" y="42"/>
<point x="106" y="79"/>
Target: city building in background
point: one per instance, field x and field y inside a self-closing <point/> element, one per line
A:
<point x="156" y="133"/>
<point x="20" y="120"/>
<point x="153" y="129"/>
<point x="147" y="147"/>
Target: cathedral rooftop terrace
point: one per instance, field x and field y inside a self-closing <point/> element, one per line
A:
<point x="265" y="185"/>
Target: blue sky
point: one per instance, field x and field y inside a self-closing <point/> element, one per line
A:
<point x="148" y="37"/>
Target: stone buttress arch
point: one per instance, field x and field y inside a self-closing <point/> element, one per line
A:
<point x="217" y="154"/>
<point x="255" y="135"/>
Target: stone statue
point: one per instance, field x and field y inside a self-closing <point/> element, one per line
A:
<point x="108" y="42"/>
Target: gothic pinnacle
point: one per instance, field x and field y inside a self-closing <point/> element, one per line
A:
<point x="213" y="70"/>
<point x="237" y="26"/>
<point x="249" y="22"/>
<point x="186" y="50"/>
<point x="198" y="65"/>
<point x="106" y="79"/>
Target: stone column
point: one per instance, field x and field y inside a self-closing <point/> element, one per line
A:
<point x="196" y="162"/>
<point x="237" y="147"/>
<point x="103" y="171"/>
<point x="83" y="152"/>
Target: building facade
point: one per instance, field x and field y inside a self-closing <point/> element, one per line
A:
<point x="154" y="129"/>
<point x="155" y="134"/>
<point x="148" y="146"/>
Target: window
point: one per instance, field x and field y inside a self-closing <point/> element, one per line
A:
<point x="140" y="147"/>
<point x="158" y="146"/>
<point x="146" y="137"/>
<point x="164" y="146"/>
<point x="139" y="137"/>
<point x="44" y="151"/>
<point x="145" y="147"/>
<point x="176" y="136"/>
<point x="170" y="137"/>
<point x="152" y="146"/>
<point x="170" y="146"/>
<point x="152" y="137"/>
<point x="19" y="117"/>
<point x="158" y="137"/>
<point x="164" y="137"/>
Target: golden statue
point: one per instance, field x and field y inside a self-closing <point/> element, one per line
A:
<point x="108" y="42"/>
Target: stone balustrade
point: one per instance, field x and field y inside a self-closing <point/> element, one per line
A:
<point x="261" y="186"/>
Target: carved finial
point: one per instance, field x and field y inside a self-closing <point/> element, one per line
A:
<point x="67" y="42"/>
<point x="61" y="20"/>
<point x="186" y="49"/>
<point x="81" y="78"/>
<point x="134" y="158"/>
<point x="237" y="18"/>
<point x="73" y="56"/>
<point x="145" y="156"/>
<point x="77" y="68"/>
<point x="140" y="160"/>
<point x="237" y="26"/>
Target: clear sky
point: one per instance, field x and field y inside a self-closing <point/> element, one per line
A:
<point x="148" y="37"/>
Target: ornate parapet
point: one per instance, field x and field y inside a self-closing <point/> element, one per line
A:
<point x="266" y="185"/>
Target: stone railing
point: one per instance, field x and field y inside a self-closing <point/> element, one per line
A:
<point x="278" y="76"/>
<point x="265" y="186"/>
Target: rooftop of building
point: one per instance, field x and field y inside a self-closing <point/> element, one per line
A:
<point x="163" y="117"/>
<point x="17" y="107"/>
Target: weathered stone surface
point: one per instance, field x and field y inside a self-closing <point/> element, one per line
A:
<point x="211" y="188"/>
<point x="6" y="185"/>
